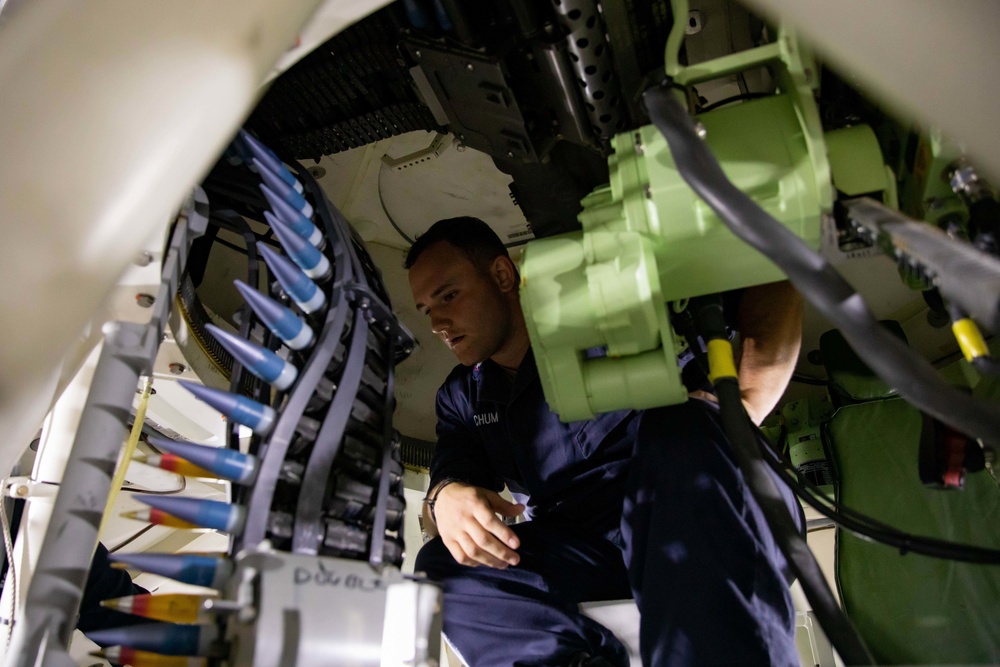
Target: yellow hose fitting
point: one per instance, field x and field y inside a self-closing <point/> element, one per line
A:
<point x="720" y="360"/>
<point x="969" y="339"/>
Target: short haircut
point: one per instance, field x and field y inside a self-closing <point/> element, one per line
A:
<point x="470" y="235"/>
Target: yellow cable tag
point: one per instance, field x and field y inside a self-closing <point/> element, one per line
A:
<point x="969" y="339"/>
<point x="720" y="360"/>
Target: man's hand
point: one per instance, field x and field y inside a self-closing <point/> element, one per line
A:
<point x="467" y="522"/>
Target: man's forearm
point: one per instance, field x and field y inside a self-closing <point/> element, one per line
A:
<point x="427" y="515"/>
<point x="770" y="321"/>
<point x="429" y="524"/>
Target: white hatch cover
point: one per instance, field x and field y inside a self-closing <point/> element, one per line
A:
<point x="425" y="177"/>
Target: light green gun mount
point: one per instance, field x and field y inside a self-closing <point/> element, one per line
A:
<point x="649" y="243"/>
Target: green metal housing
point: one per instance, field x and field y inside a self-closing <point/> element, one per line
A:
<point x="597" y="301"/>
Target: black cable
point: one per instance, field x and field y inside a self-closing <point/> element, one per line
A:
<point x="749" y="454"/>
<point x="377" y="547"/>
<point x="811" y="488"/>
<point x="987" y="366"/>
<point x="150" y="492"/>
<point x="129" y="540"/>
<point x="854" y="521"/>
<point x="805" y="379"/>
<point x="800" y="558"/>
<point x="773" y="458"/>
<point x="733" y="98"/>
<point x="381" y="202"/>
<point x="835" y="299"/>
<point x="813" y="525"/>
<point x="816" y="279"/>
<point x="243" y="251"/>
<point x="684" y="324"/>
<point x="868" y="528"/>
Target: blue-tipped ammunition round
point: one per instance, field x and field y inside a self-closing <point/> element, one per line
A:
<point x="296" y="284"/>
<point x="165" y="638"/>
<point x="226" y="463"/>
<point x="257" y="146"/>
<point x="194" y="569"/>
<point x="282" y="322"/>
<point x="267" y="156"/>
<point x="278" y="170"/>
<point x="206" y="513"/>
<point x="260" y="361"/>
<point x="286" y="192"/>
<point x="292" y="217"/>
<point x="255" y="416"/>
<point x="309" y="259"/>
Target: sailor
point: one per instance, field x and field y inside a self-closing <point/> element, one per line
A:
<point x="649" y="505"/>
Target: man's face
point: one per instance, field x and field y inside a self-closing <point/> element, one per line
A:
<point x="466" y="307"/>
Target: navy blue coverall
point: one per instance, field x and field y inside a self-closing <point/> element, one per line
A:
<point x="647" y="504"/>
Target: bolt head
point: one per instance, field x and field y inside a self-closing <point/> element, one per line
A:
<point x="937" y="320"/>
<point x="700" y="129"/>
<point x="695" y="22"/>
<point x="469" y="66"/>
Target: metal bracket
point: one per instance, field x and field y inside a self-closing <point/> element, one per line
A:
<point x="54" y="595"/>
<point x="378" y="314"/>
<point x="23" y="488"/>
<point x="437" y="146"/>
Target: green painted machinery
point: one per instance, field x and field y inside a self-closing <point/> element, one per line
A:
<point x="598" y="301"/>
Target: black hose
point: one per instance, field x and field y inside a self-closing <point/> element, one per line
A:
<point x="749" y="454"/>
<point x="801" y="561"/>
<point x="869" y="529"/>
<point x="815" y="278"/>
<point x="986" y="366"/>
<point x="864" y="526"/>
<point x="742" y="97"/>
<point x="805" y="379"/>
